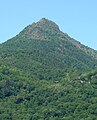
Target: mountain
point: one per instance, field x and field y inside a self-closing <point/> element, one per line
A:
<point x="47" y="75"/>
<point x="42" y="48"/>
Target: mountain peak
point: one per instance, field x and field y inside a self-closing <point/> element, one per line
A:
<point x="40" y="29"/>
<point x="48" y="23"/>
<point x="43" y="20"/>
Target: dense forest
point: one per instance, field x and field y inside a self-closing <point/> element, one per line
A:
<point x="47" y="75"/>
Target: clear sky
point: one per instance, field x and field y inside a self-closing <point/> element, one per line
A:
<point x="78" y="18"/>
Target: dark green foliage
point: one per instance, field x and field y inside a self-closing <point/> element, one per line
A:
<point x="43" y="99"/>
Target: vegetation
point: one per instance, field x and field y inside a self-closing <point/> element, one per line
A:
<point x="52" y="77"/>
<point x="22" y="97"/>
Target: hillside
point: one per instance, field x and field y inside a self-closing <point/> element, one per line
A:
<point x="22" y="97"/>
<point x="42" y="48"/>
<point x="47" y="75"/>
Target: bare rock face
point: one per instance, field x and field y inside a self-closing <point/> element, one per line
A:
<point x="47" y="23"/>
<point x="40" y="30"/>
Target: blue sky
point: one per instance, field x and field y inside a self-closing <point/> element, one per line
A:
<point x="78" y="18"/>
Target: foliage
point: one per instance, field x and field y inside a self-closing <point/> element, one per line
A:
<point x="23" y="97"/>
